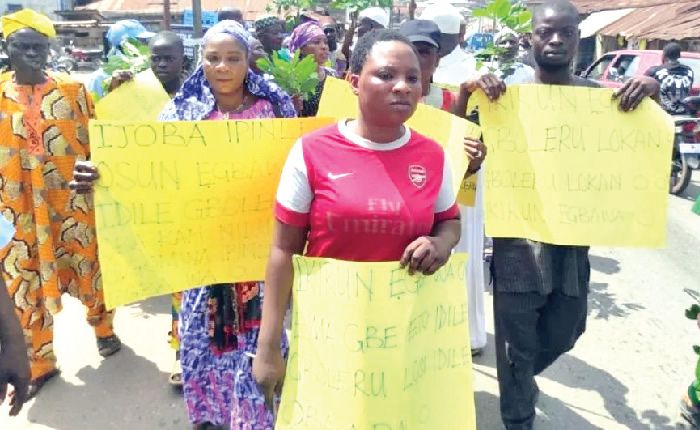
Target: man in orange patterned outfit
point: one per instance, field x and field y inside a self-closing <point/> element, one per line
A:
<point x="43" y="131"/>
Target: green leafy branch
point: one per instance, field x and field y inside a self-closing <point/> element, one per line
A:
<point x="692" y="314"/>
<point x="514" y="16"/>
<point x="298" y="77"/>
<point x="135" y="58"/>
<point x="504" y="14"/>
<point x="359" y="4"/>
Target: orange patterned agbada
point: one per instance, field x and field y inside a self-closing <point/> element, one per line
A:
<point x="43" y="131"/>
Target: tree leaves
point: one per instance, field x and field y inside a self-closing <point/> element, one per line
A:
<point x="525" y="17"/>
<point x="359" y="4"/>
<point x="502" y="8"/>
<point x="513" y="16"/>
<point x="481" y="13"/>
<point x="135" y="58"/>
<point x="506" y="14"/>
<point x="297" y="77"/>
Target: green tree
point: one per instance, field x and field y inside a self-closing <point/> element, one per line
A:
<point x="504" y="14"/>
<point x="296" y="76"/>
<point x="135" y="58"/>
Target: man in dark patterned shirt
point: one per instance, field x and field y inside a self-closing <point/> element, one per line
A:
<point x="540" y="289"/>
<point x="676" y="80"/>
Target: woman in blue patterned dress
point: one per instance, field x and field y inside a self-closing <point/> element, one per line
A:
<point x="219" y="323"/>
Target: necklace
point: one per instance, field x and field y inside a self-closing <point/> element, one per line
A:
<point x="235" y="110"/>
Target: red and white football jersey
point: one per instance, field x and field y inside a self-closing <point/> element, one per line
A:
<point x="361" y="200"/>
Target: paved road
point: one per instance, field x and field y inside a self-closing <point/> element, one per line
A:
<point x="627" y="371"/>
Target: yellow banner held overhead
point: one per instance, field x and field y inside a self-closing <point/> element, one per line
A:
<point x="567" y="167"/>
<point x="338" y="101"/>
<point x="186" y="204"/>
<point x="373" y="348"/>
<point x="141" y="99"/>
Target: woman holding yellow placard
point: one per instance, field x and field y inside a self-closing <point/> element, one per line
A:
<point x="368" y="189"/>
<point x="219" y="323"/>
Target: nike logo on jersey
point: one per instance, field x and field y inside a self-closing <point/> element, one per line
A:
<point x="341" y="175"/>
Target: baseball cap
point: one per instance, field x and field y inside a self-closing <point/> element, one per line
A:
<point x="124" y="29"/>
<point x="377" y="15"/>
<point x="447" y="17"/>
<point x="421" y="30"/>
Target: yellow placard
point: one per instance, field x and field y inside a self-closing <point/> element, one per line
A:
<point x="373" y="348"/>
<point x="567" y="167"/>
<point x="141" y="99"/>
<point x="187" y="204"/>
<point x="338" y="101"/>
<point x="466" y="196"/>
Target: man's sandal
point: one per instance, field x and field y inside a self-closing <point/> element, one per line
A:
<point x="690" y="412"/>
<point x="37" y="384"/>
<point x="107" y="346"/>
<point x="175" y="378"/>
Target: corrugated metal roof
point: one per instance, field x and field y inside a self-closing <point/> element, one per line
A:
<point x="675" y="21"/>
<point x="590" y="6"/>
<point x="597" y="20"/>
<point x="251" y="8"/>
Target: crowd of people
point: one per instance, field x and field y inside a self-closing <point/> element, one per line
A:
<point x="230" y="343"/>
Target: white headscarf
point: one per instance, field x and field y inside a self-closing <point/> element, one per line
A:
<point x="505" y="33"/>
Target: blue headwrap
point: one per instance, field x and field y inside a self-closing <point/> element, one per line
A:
<point x="195" y="100"/>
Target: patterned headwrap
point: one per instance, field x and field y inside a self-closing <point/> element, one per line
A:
<point x="304" y="34"/>
<point x="195" y="99"/>
<point x="265" y="21"/>
<point x="27" y="18"/>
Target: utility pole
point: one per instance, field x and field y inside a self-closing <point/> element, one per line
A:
<point x="197" y="18"/>
<point x="166" y="15"/>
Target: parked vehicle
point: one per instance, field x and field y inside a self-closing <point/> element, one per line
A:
<point x="686" y="148"/>
<point x="613" y="69"/>
<point x="90" y="59"/>
<point x="60" y="61"/>
<point x="478" y="41"/>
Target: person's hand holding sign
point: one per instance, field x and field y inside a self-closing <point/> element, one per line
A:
<point x="476" y="151"/>
<point x="492" y="85"/>
<point x="84" y="176"/>
<point x="118" y="78"/>
<point x="427" y="254"/>
<point x="635" y="90"/>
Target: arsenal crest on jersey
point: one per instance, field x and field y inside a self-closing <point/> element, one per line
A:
<point x="418" y="175"/>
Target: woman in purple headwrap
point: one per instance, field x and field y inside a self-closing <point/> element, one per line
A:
<point x="219" y="323"/>
<point x="311" y="40"/>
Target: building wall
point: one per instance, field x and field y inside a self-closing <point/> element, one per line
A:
<point x="45" y="6"/>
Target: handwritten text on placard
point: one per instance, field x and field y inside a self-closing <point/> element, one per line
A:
<point x="567" y="167"/>
<point x="185" y="204"/>
<point x="375" y="348"/>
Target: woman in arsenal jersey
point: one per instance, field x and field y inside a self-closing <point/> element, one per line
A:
<point x="368" y="189"/>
